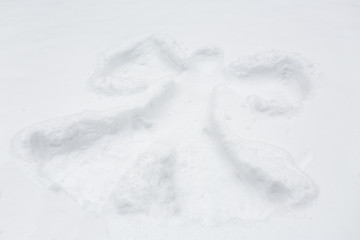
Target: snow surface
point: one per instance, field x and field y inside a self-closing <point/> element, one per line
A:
<point x="256" y="138"/>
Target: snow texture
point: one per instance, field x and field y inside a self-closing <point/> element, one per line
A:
<point x="172" y="153"/>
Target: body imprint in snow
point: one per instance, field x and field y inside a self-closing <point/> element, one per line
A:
<point x="171" y="153"/>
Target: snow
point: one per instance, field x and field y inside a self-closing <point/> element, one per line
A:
<point x="238" y="121"/>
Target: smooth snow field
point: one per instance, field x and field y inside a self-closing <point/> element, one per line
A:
<point x="159" y="120"/>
